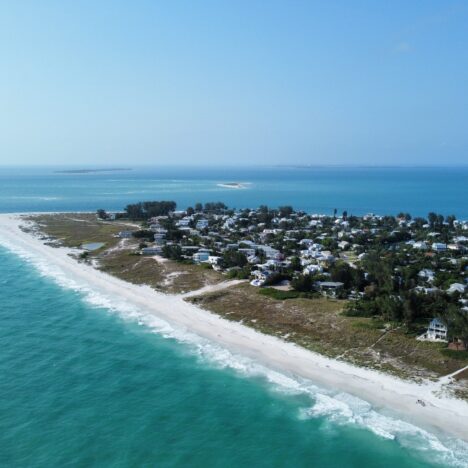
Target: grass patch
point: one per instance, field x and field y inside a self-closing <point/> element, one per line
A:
<point x="453" y="354"/>
<point x="75" y="229"/>
<point x="283" y="295"/>
<point x="318" y="324"/>
<point x="371" y="324"/>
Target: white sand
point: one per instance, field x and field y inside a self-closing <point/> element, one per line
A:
<point x="384" y="392"/>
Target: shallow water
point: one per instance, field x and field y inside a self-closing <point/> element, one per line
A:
<point x="317" y="189"/>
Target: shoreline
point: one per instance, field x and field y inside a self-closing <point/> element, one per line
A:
<point x="385" y="392"/>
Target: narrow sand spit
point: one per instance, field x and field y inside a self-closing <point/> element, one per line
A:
<point x="386" y="393"/>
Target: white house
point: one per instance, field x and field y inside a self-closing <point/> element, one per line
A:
<point x="184" y="222"/>
<point x="436" y="331"/>
<point x="260" y="277"/>
<point x="252" y="259"/>
<point x="420" y="245"/>
<point x="213" y="259"/>
<point x="202" y="224"/>
<point x="427" y="274"/>
<point x="312" y="269"/>
<point x="456" y="287"/>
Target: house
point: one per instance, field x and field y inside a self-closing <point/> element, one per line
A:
<point x="252" y="259"/>
<point x="184" y="222"/>
<point x="270" y="252"/>
<point x="426" y="274"/>
<point x="439" y="247"/>
<point x="201" y="256"/>
<point x="156" y="250"/>
<point x="214" y="260"/>
<point x="456" y="288"/>
<point x="125" y="234"/>
<point x="325" y="259"/>
<point x="436" y="331"/>
<point x="247" y="252"/>
<point x="329" y="287"/>
<point x="421" y="245"/>
<point x="179" y="214"/>
<point x="423" y="290"/>
<point x="159" y="236"/>
<point x="312" y="269"/>
<point x="202" y="224"/>
<point x="260" y="276"/>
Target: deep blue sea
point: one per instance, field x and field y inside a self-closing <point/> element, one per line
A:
<point x="86" y="382"/>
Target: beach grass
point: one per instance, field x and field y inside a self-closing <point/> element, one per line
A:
<point x="168" y="276"/>
<point x="75" y="229"/>
<point x="319" y="325"/>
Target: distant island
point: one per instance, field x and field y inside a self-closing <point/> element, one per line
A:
<point x="91" y="171"/>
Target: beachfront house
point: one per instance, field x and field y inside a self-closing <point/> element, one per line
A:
<point x="214" y="259"/>
<point x="436" y="331"/>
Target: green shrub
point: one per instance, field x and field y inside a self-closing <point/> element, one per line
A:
<point x="452" y="353"/>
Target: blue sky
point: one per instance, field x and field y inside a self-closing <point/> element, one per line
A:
<point x="234" y="82"/>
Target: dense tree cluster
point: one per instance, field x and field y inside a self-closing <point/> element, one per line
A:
<point x="149" y="209"/>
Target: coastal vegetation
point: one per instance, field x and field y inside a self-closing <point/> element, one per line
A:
<point x="361" y="289"/>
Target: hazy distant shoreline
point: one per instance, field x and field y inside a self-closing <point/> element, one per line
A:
<point x="91" y="171"/>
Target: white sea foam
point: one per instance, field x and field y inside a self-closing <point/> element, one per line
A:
<point x="336" y="407"/>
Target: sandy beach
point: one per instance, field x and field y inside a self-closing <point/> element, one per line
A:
<point x="438" y="413"/>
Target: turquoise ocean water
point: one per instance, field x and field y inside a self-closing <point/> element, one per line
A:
<point x="88" y="382"/>
<point x="318" y="189"/>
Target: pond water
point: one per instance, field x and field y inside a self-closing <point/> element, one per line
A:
<point x="92" y="245"/>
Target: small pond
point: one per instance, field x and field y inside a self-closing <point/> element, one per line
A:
<point x="92" y="246"/>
